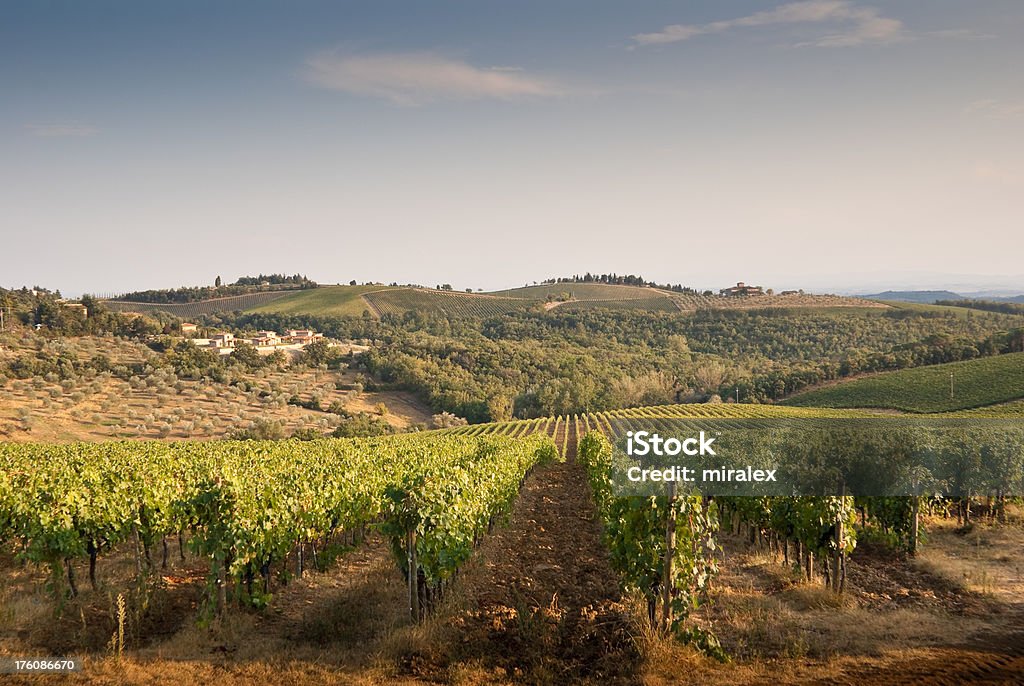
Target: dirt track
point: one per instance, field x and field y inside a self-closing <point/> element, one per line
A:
<point x="544" y="601"/>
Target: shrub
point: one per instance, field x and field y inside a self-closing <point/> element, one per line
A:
<point x="446" y="420"/>
<point x="261" y="430"/>
<point x="362" y="424"/>
<point x="306" y="434"/>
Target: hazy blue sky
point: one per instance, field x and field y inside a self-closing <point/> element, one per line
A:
<point x="484" y="143"/>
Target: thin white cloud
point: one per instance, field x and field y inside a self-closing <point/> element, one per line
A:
<point x="965" y="34"/>
<point x="996" y="174"/>
<point x="61" y="130"/>
<point x="418" y="78"/>
<point x="997" y="109"/>
<point x="853" y="24"/>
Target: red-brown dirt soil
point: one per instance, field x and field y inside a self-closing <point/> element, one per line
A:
<point x="545" y="604"/>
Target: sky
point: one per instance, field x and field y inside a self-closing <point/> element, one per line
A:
<point x="832" y="145"/>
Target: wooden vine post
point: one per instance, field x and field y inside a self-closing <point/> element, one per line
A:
<point x="670" y="551"/>
<point x="838" y="552"/>
<point x="414" y="595"/>
<point x="837" y="557"/>
<point x="915" y="518"/>
<point x="221" y="565"/>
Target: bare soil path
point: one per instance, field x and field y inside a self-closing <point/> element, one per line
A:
<point x="544" y="604"/>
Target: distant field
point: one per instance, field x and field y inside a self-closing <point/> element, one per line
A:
<point x="450" y="303"/>
<point x="959" y="312"/>
<point x="353" y="301"/>
<point x="656" y="303"/>
<point x="1003" y="410"/>
<point x="338" y="301"/>
<point x="378" y="300"/>
<point x="579" y="291"/>
<point x="196" y="309"/>
<point x="567" y="430"/>
<point x="588" y="295"/>
<point x="734" y="411"/>
<point x="795" y="301"/>
<point x="976" y="383"/>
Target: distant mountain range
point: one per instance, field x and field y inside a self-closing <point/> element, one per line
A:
<point x="929" y="297"/>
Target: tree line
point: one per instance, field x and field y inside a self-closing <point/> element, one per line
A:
<point x="985" y="305"/>
<point x="622" y="280"/>
<point x="244" y="284"/>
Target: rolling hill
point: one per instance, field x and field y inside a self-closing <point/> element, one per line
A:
<point x="191" y="310"/>
<point x="398" y="301"/>
<point x="976" y="383"/>
<point x="1010" y="410"/>
<point x="961" y="312"/>
<point x="653" y="304"/>
<point x="580" y="291"/>
<point x="379" y="300"/>
<point x="336" y="301"/>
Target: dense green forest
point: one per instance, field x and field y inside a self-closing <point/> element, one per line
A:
<point x="530" y="364"/>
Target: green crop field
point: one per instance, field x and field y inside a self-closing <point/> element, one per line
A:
<point x="1011" y="410"/>
<point x="598" y="421"/>
<point x="340" y="301"/>
<point x="379" y="300"/>
<point x="579" y="291"/>
<point x="336" y="301"/>
<point x="655" y="303"/>
<point x="976" y="383"/>
<point x="202" y="307"/>
<point x="959" y="312"/>
<point x="398" y="301"/>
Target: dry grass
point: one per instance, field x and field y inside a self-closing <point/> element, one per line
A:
<point x="345" y="625"/>
<point x="762" y="610"/>
<point x="348" y="626"/>
<point x="780" y="629"/>
<point x="989" y="559"/>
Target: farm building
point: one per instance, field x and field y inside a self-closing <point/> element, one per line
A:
<point x="222" y="340"/>
<point x="77" y="308"/>
<point x="265" y="342"/>
<point x="265" y="338"/>
<point x="303" y="336"/>
<point x="742" y="289"/>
